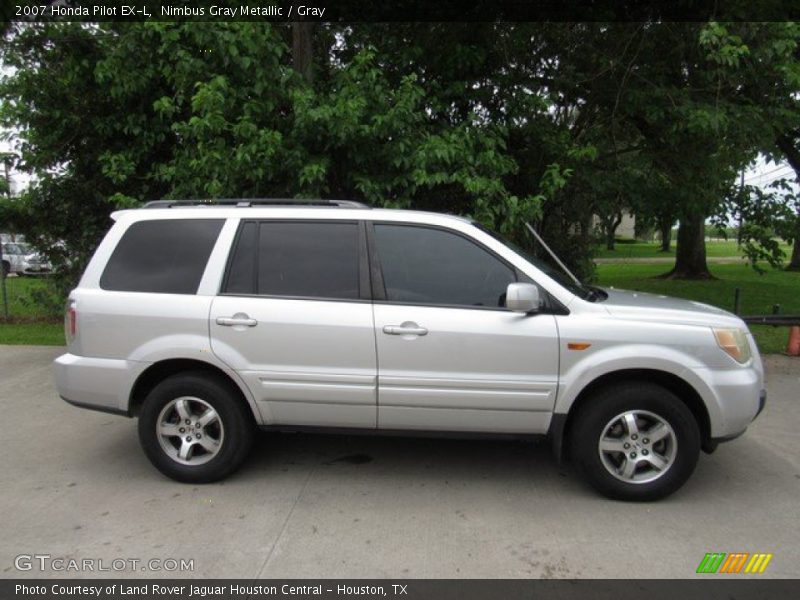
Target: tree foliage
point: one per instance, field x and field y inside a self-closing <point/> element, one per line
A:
<point x="507" y="122"/>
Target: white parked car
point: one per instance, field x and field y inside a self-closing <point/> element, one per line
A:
<point x="14" y="257"/>
<point x="208" y="321"/>
<point x="22" y="259"/>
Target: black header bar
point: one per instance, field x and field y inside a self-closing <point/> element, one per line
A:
<point x="277" y="11"/>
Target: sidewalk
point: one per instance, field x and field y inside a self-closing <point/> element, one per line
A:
<point x="667" y="260"/>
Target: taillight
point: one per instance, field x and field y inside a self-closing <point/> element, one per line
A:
<point x="71" y="320"/>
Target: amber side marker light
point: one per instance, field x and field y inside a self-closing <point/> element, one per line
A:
<point x="578" y="345"/>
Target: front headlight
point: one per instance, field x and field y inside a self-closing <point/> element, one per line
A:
<point x="734" y="343"/>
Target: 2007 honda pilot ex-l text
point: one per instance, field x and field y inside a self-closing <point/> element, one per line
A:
<point x="208" y="321"/>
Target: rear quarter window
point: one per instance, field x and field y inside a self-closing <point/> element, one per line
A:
<point x="162" y="256"/>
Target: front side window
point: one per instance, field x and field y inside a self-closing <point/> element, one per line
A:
<point x="296" y="259"/>
<point x="421" y="265"/>
<point x="162" y="256"/>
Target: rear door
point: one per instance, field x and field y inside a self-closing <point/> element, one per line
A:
<point x="294" y="318"/>
<point x="450" y="355"/>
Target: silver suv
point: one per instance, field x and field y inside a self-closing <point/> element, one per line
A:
<point x="207" y="321"/>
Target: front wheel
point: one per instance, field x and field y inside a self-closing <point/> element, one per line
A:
<point x="636" y="441"/>
<point x="194" y="429"/>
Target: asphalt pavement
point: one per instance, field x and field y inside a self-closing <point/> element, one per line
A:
<point x="74" y="485"/>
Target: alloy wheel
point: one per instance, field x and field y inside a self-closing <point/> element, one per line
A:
<point x="638" y="446"/>
<point x="190" y="430"/>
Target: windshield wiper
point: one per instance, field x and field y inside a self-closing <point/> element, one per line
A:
<point x="596" y="293"/>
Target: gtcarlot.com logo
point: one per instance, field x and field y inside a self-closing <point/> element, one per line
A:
<point x="734" y="563"/>
<point x="47" y="562"/>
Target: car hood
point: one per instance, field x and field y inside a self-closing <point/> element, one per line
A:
<point x="656" y="307"/>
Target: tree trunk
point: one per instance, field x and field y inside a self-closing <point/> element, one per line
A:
<point x="665" y="227"/>
<point x="586" y="228"/>
<point x="788" y="145"/>
<point x="794" y="263"/>
<point x="303" y="49"/>
<point x="610" y="225"/>
<point x="610" y="231"/>
<point x="690" y="252"/>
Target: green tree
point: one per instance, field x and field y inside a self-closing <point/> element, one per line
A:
<point x="69" y="126"/>
<point x="140" y="111"/>
<point x="507" y="122"/>
<point x="761" y="63"/>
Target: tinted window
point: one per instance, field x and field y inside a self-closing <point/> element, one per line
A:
<point x="166" y="257"/>
<point x="15" y="249"/>
<point x="430" y="266"/>
<point x="306" y="259"/>
<point x="241" y="274"/>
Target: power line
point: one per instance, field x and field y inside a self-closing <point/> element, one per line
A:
<point x="785" y="168"/>
<point x="778" y="168"/>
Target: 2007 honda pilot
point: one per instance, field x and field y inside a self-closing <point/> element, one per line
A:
<point x="209" y="320"/>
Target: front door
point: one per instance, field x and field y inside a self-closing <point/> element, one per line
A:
<point x="295" y="320"/>
<point x="450" y="356"/>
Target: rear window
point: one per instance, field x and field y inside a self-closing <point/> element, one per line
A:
<point x="163" y="257"/>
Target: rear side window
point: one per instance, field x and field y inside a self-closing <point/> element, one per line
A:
<point x="421" y="265"/>
<point x="300" y="259"/>
<point x="241" y="274"/>
<point x="164" y="257"/>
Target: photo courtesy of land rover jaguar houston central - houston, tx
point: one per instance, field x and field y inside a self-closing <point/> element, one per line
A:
<point x="208" y="320"/>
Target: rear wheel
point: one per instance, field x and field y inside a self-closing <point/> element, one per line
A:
<point x="193" y="428"/>
<point x="636" y="441"/>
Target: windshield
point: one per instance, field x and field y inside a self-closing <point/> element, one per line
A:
<point x="15" y="248"/>
<point x="560" y="277"/>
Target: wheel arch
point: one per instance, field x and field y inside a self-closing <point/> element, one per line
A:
<point x="158" y="371"/>
<point x="562" y="422"/>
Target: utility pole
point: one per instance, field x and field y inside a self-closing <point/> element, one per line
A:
<point x="741" y="217"/>
<point x="6" y="162"/>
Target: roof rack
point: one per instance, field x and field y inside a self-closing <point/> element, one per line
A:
<point x="248" y="202"/>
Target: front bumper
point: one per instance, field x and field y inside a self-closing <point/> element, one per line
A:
<point x="733" y="398"/>
<point x="710" y="445"/>
<point x="762" y="402"/>
<point x="37" y="270"/>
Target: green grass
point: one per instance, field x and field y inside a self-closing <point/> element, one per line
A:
<point x="35" y="333"/>
<point x="758" y="292"/>
<point x="650" y="250"/>
<point x="35" y="316"/>
<point x="30" y="297"/>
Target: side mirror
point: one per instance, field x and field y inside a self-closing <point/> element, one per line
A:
<point x="522" y="297"/>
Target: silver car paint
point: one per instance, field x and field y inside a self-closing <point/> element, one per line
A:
<point x="474" y="369"/>
<point x="307" y="362"/>
<point x="329" y="363"/>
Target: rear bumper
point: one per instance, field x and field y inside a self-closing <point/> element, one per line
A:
<point x="112" y="411"/>
<point x="95" y="383"/>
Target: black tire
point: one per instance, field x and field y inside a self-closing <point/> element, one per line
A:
<point x="652" y="402"/>
<point x="233" y="418"/>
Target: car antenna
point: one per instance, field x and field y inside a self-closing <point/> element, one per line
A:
<point x="553" y="254"/>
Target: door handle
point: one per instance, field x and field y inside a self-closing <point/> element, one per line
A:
<point x="237" y="320"/>
<point x="405" y="329"/>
